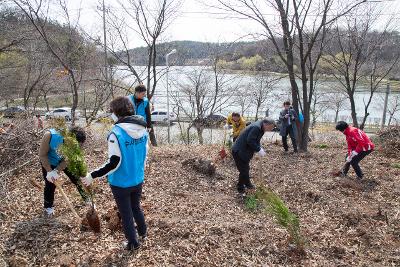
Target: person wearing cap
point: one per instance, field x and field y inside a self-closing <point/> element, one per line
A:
<point x="247" y="144"/>
<point x="238" y="124"/>
<point x="359" y="146"/>
<point x="141" y="104"/>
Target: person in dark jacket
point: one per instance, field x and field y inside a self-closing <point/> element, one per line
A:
<point x="287" y="120"/>
<point x="127" y="149"/>
<point x="141" y="104"/>
<point x="244" y="148"/>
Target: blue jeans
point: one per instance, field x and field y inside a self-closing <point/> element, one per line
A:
<point x="128" y="203"/>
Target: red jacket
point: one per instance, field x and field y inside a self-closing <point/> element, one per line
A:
<point x="357" y="140"/>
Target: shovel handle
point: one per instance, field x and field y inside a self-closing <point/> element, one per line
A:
<point x="58" y="185"/>
<point x="260" y="171"/>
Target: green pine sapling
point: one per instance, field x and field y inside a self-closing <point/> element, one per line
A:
<point x="275" y="206"/>
<point x="71" y="151"/>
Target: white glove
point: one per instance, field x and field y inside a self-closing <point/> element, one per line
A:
<point x="52" y="176"/>
<point x="226" y="127"/>
<point x="87" y="180"/>
<point x="262" y="153"/>
<point x="351" y="156"/>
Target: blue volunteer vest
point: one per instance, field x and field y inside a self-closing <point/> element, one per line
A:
<point x="133" y="152"/>
<point x="56" y="140"/>
<point x="140" y="109"/>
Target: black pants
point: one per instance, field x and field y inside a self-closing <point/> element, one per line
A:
<point x="289" y="131"/>
<point x="355" y="163"/>
<point x="49" y="188"/>
<point x="128" y="203"/>
<point x="244" y="171"/>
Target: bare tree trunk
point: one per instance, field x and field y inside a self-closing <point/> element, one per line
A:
<point x="353" y="110"/>
<point x="200" y="134"/>
<point x="336" y="115"/>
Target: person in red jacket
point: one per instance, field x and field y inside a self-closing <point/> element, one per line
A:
<point x="359" y="146"/>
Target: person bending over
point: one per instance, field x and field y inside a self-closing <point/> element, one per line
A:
<point x="52" y="163"/>
<point x="246" y="145"/>
<point x="238" y="124"/>
<point x="359" y="146"/>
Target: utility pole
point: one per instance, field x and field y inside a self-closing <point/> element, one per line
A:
<point x="169" y="117"/>
<point x="105" y="46"/>
<point x="385" y="106"/>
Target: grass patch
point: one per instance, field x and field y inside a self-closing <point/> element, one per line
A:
<point x="396" y="165"/>
<point x="251" y="202"/>
<point x="322" y="146"/>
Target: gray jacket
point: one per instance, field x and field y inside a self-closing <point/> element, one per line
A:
<point x="284" y="122"/>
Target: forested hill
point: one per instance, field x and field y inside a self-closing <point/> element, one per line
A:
<point x="256" y="55"/>
<point x="192" y="52"/>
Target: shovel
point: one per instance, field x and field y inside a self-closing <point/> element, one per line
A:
<point x="58" y="185"/>
<point x="91" y="215"/>
<point x="222" y="153"/>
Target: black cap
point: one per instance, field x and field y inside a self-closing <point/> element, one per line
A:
<point x="341" y="126"/>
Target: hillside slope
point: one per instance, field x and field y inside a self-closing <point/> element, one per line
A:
<point x="196" y="220"/>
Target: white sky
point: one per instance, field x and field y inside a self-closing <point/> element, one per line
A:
<point x="194" y="22"/>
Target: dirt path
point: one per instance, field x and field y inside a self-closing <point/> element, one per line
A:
<point x="195" y="220"/>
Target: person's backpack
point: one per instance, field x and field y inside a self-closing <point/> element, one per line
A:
<point x="301" y="118"/>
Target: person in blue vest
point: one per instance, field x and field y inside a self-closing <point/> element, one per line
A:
<point x="141" y="104"/>
<point x="127" y="149"/>
<point x="52" y="163"/>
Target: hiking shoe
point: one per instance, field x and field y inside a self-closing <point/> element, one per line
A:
<point x="241" y="189"/>
<point x="142" y="238"/>
<point x="250" y="186"/>
<point x="48" y="212"/>
<point x="130" y="246"/>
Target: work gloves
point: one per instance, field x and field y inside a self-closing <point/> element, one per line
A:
<point x="351" y="156"/>
<point x="52" y="176"/>
<point x="87" y="180"/>
<point x="226" y="127"/>
<point x="262" y="153"/>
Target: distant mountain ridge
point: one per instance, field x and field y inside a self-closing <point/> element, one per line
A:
<point x="194" y="52"/>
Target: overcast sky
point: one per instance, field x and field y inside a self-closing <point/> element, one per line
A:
<point x="195" y="21"/>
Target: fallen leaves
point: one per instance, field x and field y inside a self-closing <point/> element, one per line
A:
<point x="197" y="220"/>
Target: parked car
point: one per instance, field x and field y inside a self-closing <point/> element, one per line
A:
<point x="216" y="120"/>
<point x="61" y="113"/>
<point x="12" y="112"/>
<point x="161" y="116"/>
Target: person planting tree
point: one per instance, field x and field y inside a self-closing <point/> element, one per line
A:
<point x="287" y="120"/>
<point x="53" y="162"/>
<point x="247" y="144"/>
<point x="238" y="124"/>
<point x="127" y="149"/>
<point x="359" y="146"/>
<point x="141" y="104"/>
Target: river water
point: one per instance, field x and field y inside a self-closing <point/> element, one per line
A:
<point x="280" y="91"/>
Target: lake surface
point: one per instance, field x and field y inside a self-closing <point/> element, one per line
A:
<point x="280" y="91"/>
